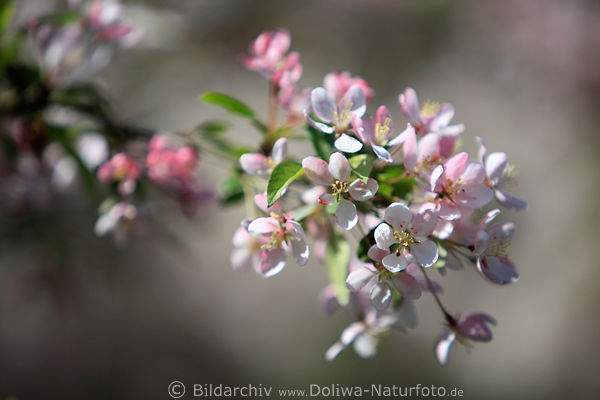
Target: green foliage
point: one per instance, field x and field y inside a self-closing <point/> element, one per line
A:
<point x="364" y="245"/>
<point x="232" y="191"/>
<point x="362" y="165"/>
<point x="393" y="183"/>
<point x="338" y="258"/>
<point x="228" y="103"/>
<point x="283" y="174"/>
<point x="322" y="143"/>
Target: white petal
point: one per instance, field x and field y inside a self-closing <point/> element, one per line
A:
<point x="361" y="191"/>
<point x="299" y="250"/>
<point x="355" y="99"/>
<point x="399" y="216"/>
<point x="384" y="236"/>
<point x="366" y="346"/>
<point x="348" y="144"/>
<point x="359" y="278"/>
<point x="395" y="263"/>
<point x="280" y="149"/>
<point x="334" y="350"/>
<point x="425" y="252"/>
<point x="322" y="104"/>
<point x="442" y="347"/>
<point x="382" y="153"/>
<point x="351" y="332"/>
<point x="346" y="214"/>
<point x="328" y="129"/>
<point x="339" y="167"/>
<point x="263" y="225"/>
<point x="381" y="296"/>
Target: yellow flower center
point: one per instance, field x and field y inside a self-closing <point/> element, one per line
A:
<point x="338" y="189"/>
<point x="429" y="109"/>
<point x="381" y="131"/>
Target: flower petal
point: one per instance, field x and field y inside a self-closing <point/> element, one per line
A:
<point x="271" y="262"/>
<point x="382" y="153"/>
<point x="473" y="197"/>
<point x="300" y="250"/>
<point x="398" y="216"/>
<point x="495" y="164"/>
<point x="409" y="104"/>
<point x="377" y="254"/>
<point x="254" y="164"/>
<point x="322" y="105"/>
<point x="328" y="129"/>
<point x="339" y="167"/>
<point x="263" y="225"/>
<point x="442" y="347"/>
<point x="359" y="278"/>
<point x="425" y="252"/>
<point x="348" y="144"/>
<point x="355" y="100"/>
<point x="510" y="201"/>
<point x="280" y="149"/>
<point x="381" y="296"/>
<point x="384" y="236"/>
<point x="346" y="214"/>
<point x="361" y="191"/>
<point x="407" y="286"/>
<point x="497" y="269"/>
<point x="317" y="171"/>
<point x="395" y="263"/>
<point x="454" y="167"/>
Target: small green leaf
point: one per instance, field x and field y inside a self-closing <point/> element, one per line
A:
<point x="7" y="10"/>
<point x="338" y="258"/>
<point x="283" y="174"/>
<point x="232" y="191"/>
<point x="302" y="212"/>
<point x="362" y="165"/>
<point x="228" y="103"/>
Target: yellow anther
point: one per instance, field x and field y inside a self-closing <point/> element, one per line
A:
<point x="381" y="130"/>
<point x="430" y="108"/>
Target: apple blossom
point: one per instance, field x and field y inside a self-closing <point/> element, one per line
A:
<point x="467" y="327"/>
<point x="432" y="117"/>
<point x="261" y="165"/>
<point x="122" y="169"/>
<point x="336" y="116"/>
<point x="336" y="176"/>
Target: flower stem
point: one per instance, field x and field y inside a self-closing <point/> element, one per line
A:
<point x="447" y="315"/>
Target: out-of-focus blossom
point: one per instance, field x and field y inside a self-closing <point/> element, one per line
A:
<point x="167" y="164"/>
<point x="460" y="185"/>
<point x="498" y="172"/>
<point x="122" y="169"/>
<point x="267" y="52"/>
<point x="105" y="18"/>
<point x="406" y="237"/>
<point x="490" y="248"/>
<point x="336" y="175"/>
<point x="468" y="327"/>
<point x="261" y="165"/>
<point x="92" y="148"/>
<point x="116" y="220"/>
<point x="338" y="83"/>
<point x="336" y="116"/>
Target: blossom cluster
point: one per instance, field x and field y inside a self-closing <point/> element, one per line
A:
<point x="415" y="201"/>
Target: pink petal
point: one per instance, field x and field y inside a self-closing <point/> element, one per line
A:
<point x="254" y="164"/>
<point x="474" y="197"/>
<point x="263" y="225"/>
<point x="317" y="171"/>
<point x="454" y="167"/>
<point x="495" y="164"/>
<point x="410" y="150"/>
<point x="271" y="262"/>
<point x="497" y="269"/>
<point x="381" y="296"/>
<point x="241" y="259"/>
<point x="424" y="222"/>
<point x="409" y="104"/>
<point x="510" y="201"/>
<point x="475" y="327"/>
<point x="351" y="332"/>
<point x="442" y="118"/>
<point x="318" y="125"/>
<point x="377" y="254"/>
<point x="382" y="153"/>
<point x="500" y="233"/>
<point x="407" y="286"/>
<point x="359" y="278"/>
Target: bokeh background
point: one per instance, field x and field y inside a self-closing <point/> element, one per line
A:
<point x="83" y="318"/>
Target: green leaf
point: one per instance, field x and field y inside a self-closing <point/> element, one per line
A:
<point x="362" y="165"/>
<point x="232" y="191"/>
<point x="302" y="212"/>
<point x="7" y="10"/>
<point x="228" y="103"/>
<point x="364" y="245"/>
<point x="283" y="174"/>
<point x="322" y="143"/>
<point x="338" y="258"/>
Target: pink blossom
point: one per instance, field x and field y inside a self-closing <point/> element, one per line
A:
<point x="120" y="168"/>
<point x="335" y="176"/>
<point x="261" y="165"/>
<point x="405" y="236"/>
<point x="105" y="17"/>
<point x="167" y="165"/>
<point x="279" y="235"/>
<point x="432" y="117"/>
<point x="473" y="327"/>
<point x="336" y="116"/>
<point x="490" y="248"/>
<point x="498" y="172"/>
<point x="267" y="53"/>
<point x="460" y="185"/>
<point x="378" y="132"/>
<point x="338" y="83"/>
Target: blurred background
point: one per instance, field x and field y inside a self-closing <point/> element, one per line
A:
<point x="83" y="318"/>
